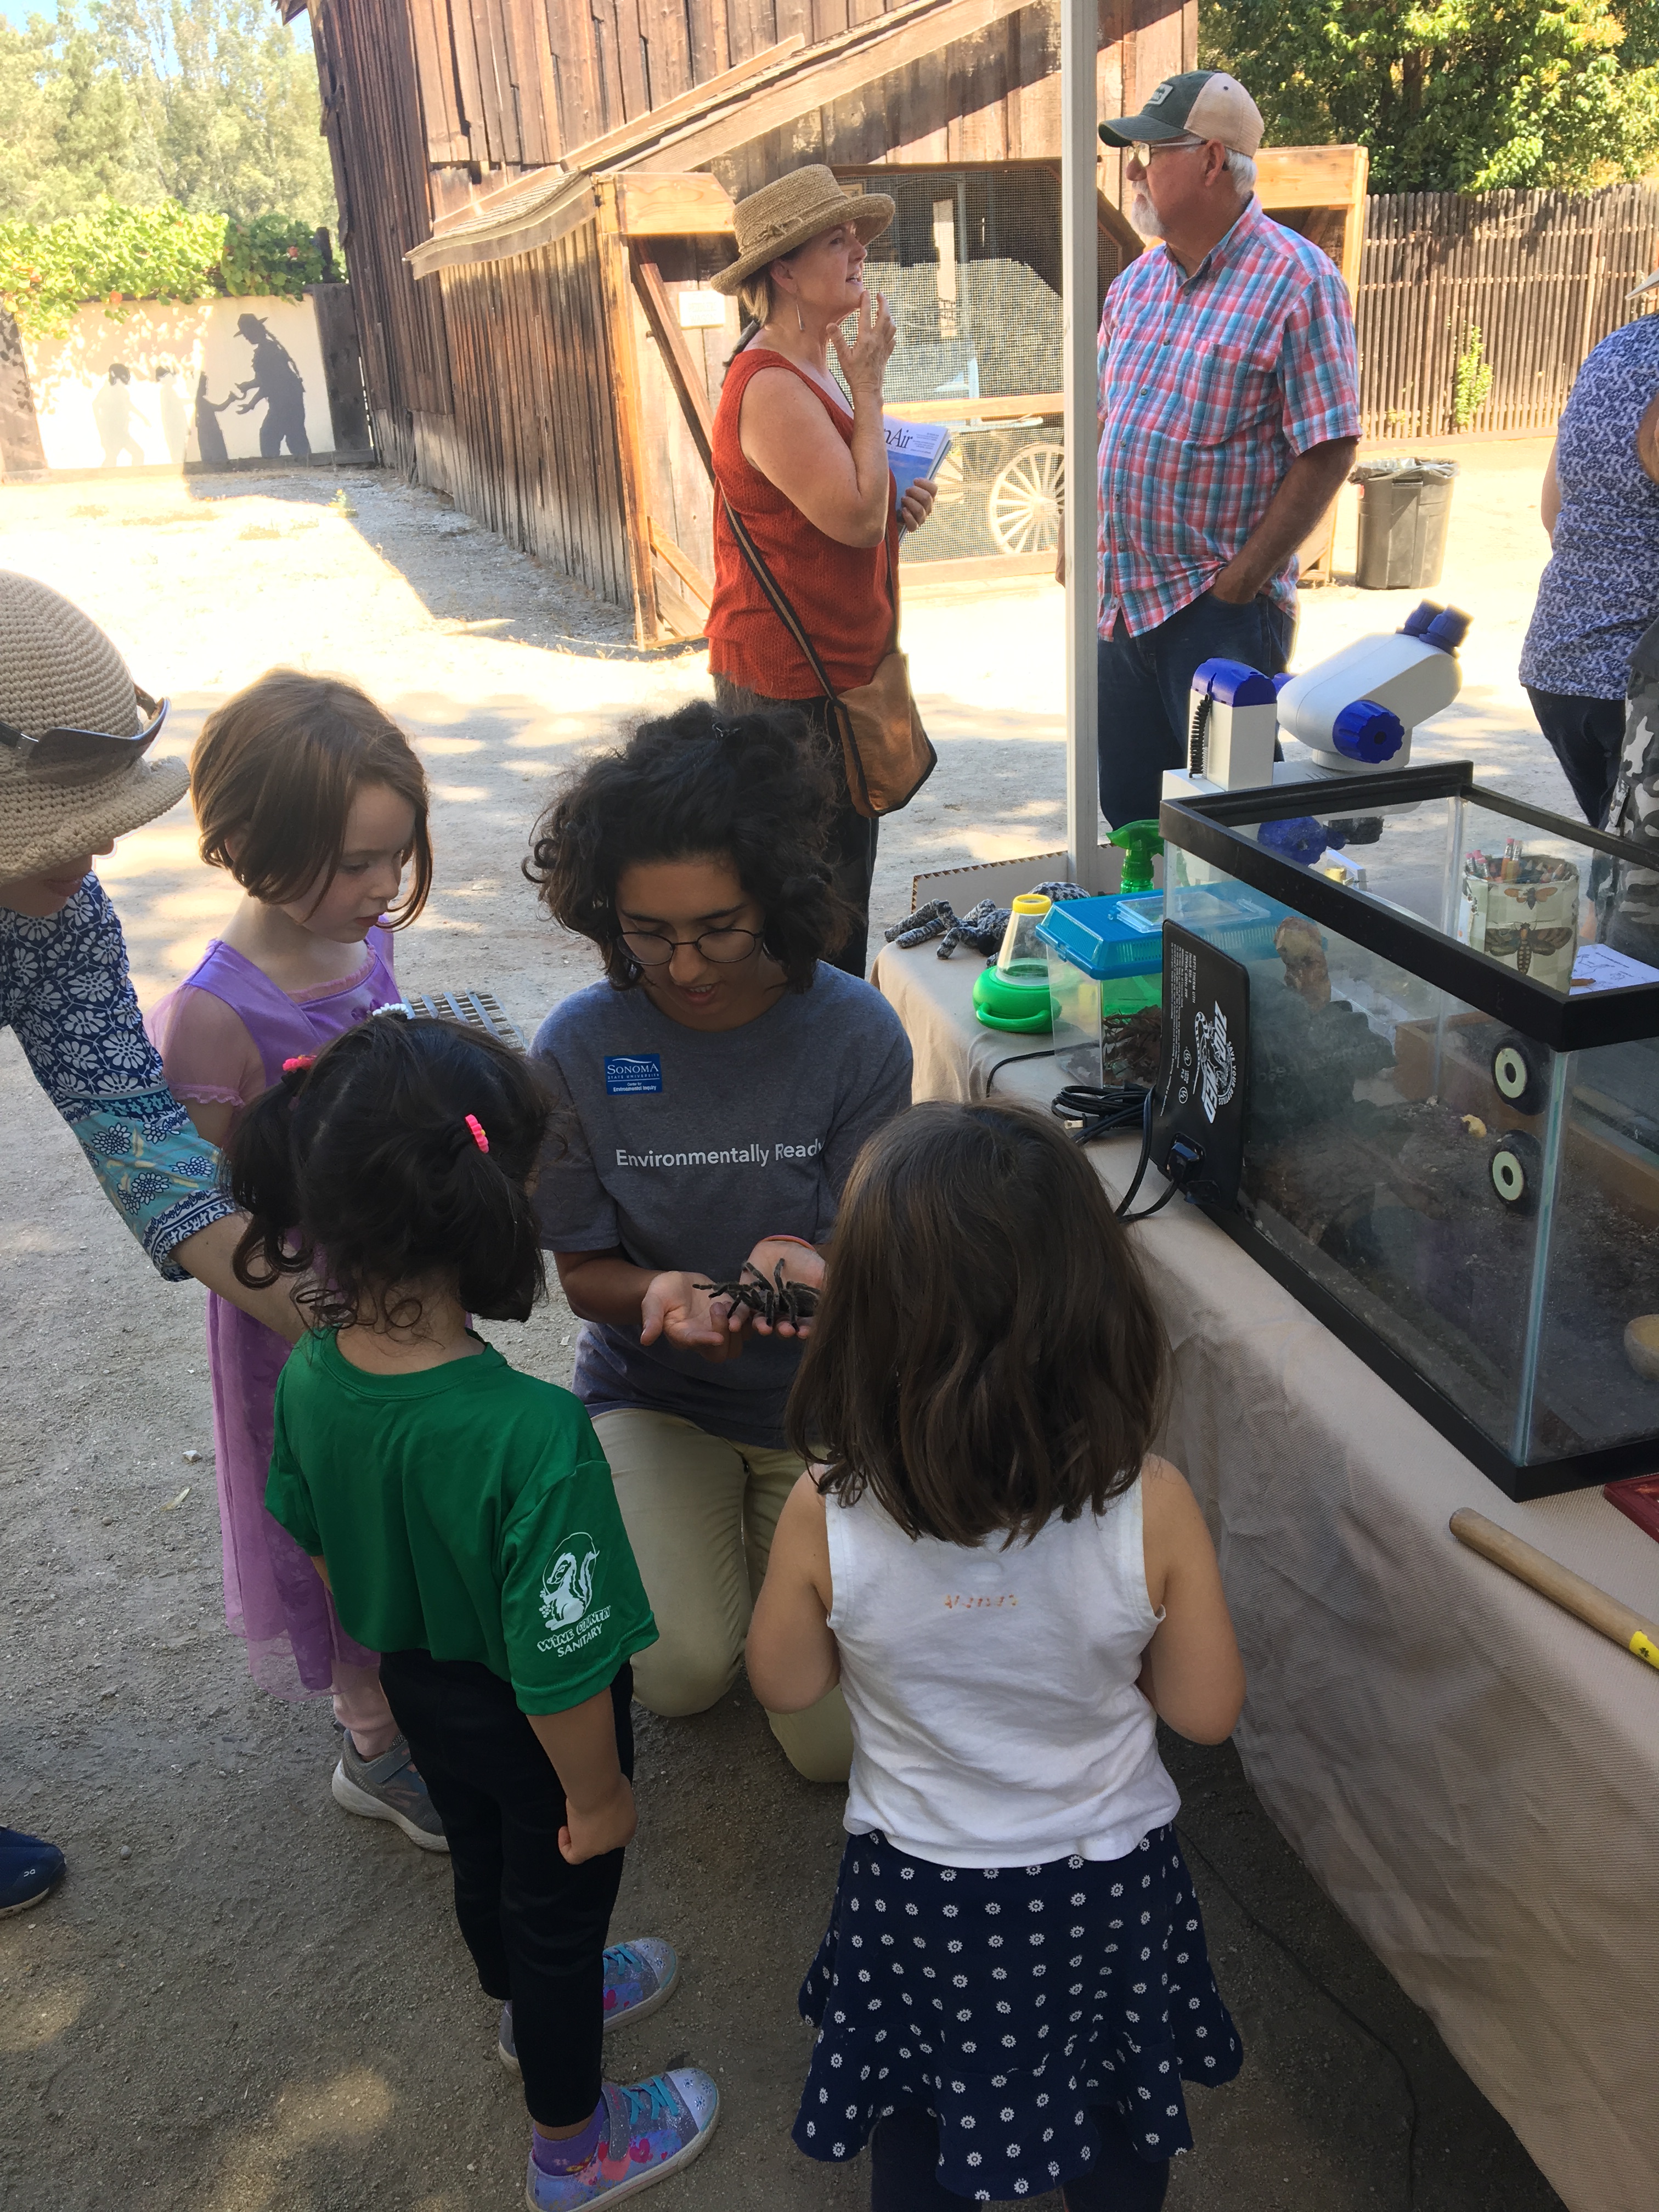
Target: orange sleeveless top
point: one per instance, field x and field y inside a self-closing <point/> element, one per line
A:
<point x="841" y="593"/>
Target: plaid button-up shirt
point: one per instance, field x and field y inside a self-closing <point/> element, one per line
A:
<point x="1209" y="386"/>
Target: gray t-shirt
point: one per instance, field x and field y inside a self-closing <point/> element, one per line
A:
<point x="691" y="1147"/>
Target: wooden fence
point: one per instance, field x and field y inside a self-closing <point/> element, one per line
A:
<point x="1542" y="276"/>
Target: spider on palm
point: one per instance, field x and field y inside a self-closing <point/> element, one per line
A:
<point x="770" y="1302"/>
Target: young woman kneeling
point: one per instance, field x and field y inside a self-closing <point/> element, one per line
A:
<point x="721" y="1080"/>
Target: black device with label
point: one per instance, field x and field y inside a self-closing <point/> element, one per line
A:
<point x="1198" y="1108"/>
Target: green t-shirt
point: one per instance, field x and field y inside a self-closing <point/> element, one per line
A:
<point x="467" y="1511"/>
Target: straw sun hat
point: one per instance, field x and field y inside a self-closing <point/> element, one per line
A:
<point x="58" y="670"/>
<point x="792" y="210"/>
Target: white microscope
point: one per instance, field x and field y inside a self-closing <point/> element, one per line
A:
<point x="1352" y="715"/>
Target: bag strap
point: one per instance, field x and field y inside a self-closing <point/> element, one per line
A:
<point x="780" y="605"/>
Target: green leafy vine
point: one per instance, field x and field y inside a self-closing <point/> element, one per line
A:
<point x="120" y="255"/>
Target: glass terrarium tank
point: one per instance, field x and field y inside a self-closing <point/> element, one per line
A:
<point x="1451" y="1147"/>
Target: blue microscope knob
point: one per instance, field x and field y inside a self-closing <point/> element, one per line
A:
<point x="1364" y="731"/>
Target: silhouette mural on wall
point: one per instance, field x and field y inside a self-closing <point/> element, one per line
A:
<point x="170" y="406"/>
<point x="277" y="383"/>
<point x="113" y="412"/>
<point x="185" y="383"/>
<point x="209" y="432"/>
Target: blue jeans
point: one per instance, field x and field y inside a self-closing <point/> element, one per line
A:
<point x="1145" y="685"/>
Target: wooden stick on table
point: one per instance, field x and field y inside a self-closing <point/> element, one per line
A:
<point x="1559" y="1584"/>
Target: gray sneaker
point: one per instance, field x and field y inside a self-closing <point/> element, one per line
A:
<point x="389" y="1788"/>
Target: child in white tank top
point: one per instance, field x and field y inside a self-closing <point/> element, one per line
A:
<point x="1010" y="1589"/>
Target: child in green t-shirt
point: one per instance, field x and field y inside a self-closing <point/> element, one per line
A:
<point x="463" y="1516"/>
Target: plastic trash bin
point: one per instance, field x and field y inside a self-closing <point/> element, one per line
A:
<point x="1404" y="510"/>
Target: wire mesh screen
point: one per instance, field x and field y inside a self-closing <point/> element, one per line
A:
<point x="970" y="267"/>
<point x="971" y="271"/>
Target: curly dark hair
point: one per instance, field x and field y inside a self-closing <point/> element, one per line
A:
<point x="754" y="789"/>
<point x="367" y="1156"/>
<point x="987" y="1354"/>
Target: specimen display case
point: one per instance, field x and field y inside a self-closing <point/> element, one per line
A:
<point x="1451" y="1126"/>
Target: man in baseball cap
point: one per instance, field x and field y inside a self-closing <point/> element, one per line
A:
<point x="1229" y="411"/>
<point x="1199" y="104"/>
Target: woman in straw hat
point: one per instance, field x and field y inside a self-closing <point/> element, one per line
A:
<point x="74" y="777"/>
<point x="808" y="478"/>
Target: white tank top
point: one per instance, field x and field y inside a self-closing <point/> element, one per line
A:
<point x="995" y="1717"/>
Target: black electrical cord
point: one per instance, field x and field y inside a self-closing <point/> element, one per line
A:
<point x="1099" y="1109"/>
<point x="1331" y="1997"/>
<point x="1198" y="729"/>
<point x="1047" y="1053"/>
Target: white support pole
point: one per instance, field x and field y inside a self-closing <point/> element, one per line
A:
<point x="1080" y="45"/>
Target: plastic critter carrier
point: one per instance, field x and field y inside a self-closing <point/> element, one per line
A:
<point x="1451" y="1150"/>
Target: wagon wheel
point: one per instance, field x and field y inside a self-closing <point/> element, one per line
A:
<point x="1023" y="508"/>
<point x="950" y="479"/>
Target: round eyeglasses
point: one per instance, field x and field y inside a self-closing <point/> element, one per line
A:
<point x="722" y="946"/>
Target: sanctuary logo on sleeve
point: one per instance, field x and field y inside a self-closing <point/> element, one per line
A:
<point x="566" y="1597"/>
<point x="626" y="1074"/>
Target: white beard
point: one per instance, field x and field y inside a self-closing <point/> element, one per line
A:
<point x="1142" y="216"/>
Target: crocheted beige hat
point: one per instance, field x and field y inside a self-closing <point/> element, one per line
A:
<point x="58" y="670"/>
<point x="786" y="213"/>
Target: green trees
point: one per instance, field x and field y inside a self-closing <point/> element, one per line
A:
<point x="211" y="104"/>
<point x="1462" y="95"/>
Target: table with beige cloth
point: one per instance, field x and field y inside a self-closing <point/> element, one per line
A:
<point x="1471" y="1775"/>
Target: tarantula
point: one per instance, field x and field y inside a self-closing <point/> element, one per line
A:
<point x="778" y="1300"/>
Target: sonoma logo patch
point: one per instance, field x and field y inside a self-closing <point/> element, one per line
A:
<point x="628" y="1073"/>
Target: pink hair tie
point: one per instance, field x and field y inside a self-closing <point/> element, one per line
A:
<point x="300" y="1062"/>
<point x="477" y="1128"/>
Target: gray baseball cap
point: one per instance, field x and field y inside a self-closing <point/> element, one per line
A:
<point x="1199" y="104"/>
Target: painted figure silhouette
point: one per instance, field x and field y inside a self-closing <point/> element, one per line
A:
<point x="209" y="432"/>
<point x="170" y="403"/>
<point x="278" y="384"/>
<point x="112" y="412"/>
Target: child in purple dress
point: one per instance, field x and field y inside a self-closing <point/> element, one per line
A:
<point x="314" y="801"/>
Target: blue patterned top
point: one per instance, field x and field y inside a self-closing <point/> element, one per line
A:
<point x="65" y="990"/>
<point x="1600" y="590"/>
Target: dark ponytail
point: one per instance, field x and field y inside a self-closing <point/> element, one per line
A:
<point x="401" y="1153"/>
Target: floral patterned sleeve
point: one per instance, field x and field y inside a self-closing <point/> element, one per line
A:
<point x="65" y="990"/>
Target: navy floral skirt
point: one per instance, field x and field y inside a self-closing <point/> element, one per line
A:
<point x="1007" y="2000"/>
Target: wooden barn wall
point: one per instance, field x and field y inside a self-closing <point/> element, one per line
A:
<point x="510" y="84"/>
<point x="991" y="98"/>
<point x="535" y="453"/>
<point x="372" y="119"/>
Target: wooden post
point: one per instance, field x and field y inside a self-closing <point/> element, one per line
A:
<point x="1079" y="42"/>
<point x="618" y="296"/>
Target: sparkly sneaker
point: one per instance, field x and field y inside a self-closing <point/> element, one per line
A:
<point x="389" y="1788"/>
<point x="639" y="1978"/>
<point x="652" y="2129"/>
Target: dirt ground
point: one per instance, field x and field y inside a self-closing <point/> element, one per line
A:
<point x="244" y="2001"/>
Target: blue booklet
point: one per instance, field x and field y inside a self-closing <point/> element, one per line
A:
<point x="915" y="450"/>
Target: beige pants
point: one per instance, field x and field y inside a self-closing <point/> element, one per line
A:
<point x="700" y="1511"/>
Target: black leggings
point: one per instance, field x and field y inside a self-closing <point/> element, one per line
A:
<point x="535" y="1925"/>
<point x="904" y="2156"/>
